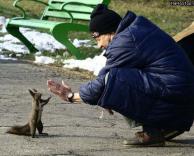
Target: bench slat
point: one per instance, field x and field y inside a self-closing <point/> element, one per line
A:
<point x="33" y="23"/>
<point x="75" y="8"/>
<point x="80" y="16"/>
<point x="58" y="29"/>
<point x="92" y="2"/>
<point x="79" y="12"/>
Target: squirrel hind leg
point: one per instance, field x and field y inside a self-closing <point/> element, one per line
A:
<point x="33" y="129"/>
<point x="40" y="129"/>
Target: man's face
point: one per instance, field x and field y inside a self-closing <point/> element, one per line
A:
<point x="103" y="40"/>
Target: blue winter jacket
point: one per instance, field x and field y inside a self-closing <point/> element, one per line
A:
<point x="150" y="80"/>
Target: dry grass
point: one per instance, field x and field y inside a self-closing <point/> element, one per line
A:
<point x="172" y="19"/>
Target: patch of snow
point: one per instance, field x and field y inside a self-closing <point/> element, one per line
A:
<point x="92" y="64"/>
<point x="13" y="47"/>
<point x="18" y="55"/>
<point x="46" y="42"/>
<point x="43" y="60"/>
<point x="79" y="43"/>
<point x="39" y="53"/>
<point x="42" y="41"/>
<point x="2" y="57"/>
<point x="2" y="24"/>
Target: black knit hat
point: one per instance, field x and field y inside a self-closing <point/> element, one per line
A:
<point x="103" y="20"/>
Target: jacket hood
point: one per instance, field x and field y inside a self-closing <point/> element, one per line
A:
<point x="118" y="57"/>
<point x="126" y="21"/>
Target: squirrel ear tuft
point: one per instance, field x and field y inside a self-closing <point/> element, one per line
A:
<point x="34" y="90"/>
<point x="31" y="92"/>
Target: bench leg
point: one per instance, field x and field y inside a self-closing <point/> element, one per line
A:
<point x="60" y="33"/>
<point x="13" y="30"/>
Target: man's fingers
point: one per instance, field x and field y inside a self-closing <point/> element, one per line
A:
<point x="54" y="91"/>
<point x="50" y="82"/>
<point x="59" y="89"/>
<point x="64" y="85"/>
<point x="59" y="93"/>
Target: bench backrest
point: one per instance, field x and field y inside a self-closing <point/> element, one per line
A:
<point x="68" y="9"/>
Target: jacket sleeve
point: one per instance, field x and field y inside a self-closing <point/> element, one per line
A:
<point x="91" y="92"/>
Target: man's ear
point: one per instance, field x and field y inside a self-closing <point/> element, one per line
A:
<point x="112" y="35"/>
<point x="31" y="92"/>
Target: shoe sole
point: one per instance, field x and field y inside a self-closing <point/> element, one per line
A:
<point x="145" y="145"/>
<point x="170" y="135"/>
<point x="160" y="144"/>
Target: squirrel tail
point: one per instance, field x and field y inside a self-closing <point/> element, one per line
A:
<point x="20" y="130"/>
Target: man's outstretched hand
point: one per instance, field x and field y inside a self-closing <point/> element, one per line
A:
<point x="62" y="90"/>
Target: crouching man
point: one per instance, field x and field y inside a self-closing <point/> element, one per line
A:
<point x="147" y="78"/>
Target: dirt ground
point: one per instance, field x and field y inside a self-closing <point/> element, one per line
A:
<point x="74" y="130"/>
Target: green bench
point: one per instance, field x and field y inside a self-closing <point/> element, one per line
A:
<point x="71" y="10"/>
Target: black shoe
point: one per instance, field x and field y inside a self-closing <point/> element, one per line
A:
<point x="170" y="134"/>
<point x="145" y="139"/>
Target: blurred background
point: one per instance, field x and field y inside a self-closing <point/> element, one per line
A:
<point x="172" y="19"/>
